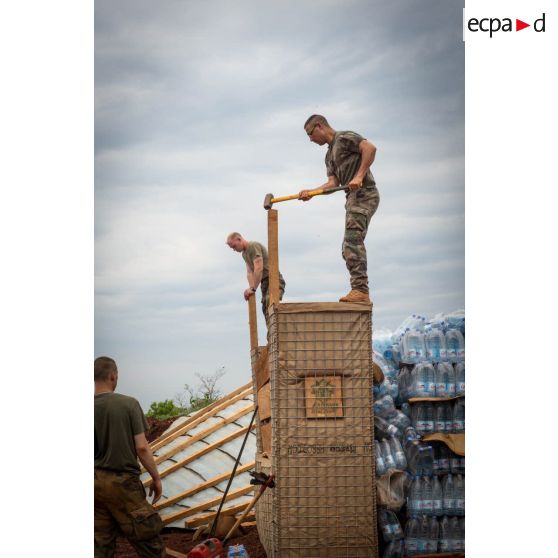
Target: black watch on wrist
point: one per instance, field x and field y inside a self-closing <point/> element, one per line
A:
<point x="253" y="290"/>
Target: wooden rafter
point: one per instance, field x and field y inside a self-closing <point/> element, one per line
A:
<point x="170" y="518"/>
<point x="198" y="454"/>
<point x="201" y="416"/>
<point x="203" y="486"/>
<point x="207" y="517"/>
<point x="201" y="435"/>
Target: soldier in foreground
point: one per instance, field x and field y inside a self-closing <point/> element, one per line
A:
<point x="121" y="507"/>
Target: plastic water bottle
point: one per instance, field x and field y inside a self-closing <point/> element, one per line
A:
<point x="455" y="464"/>
<point x="414" y="349"/>
<point x="434" y="533"/>
<point x="455" y="534"/>
<point x="459" y="495"/>
<point x="424" y="534"/>
<point x="410" y="435"/>
<point x="237" y="551"/>
<point x="401" y="421"/>
<point x="426" y="490"/>
<point x="398" y="453"/>
<point x="461" y="532"/>
<point x="440" y="419"/>
<point x="380" y="463"/>
<point x="448" y="411"/>
<point x="414" y="497"/>
<point x="383" y="429"/>
<point x="448" y="502"/>
<point x="436" y="457"/>
<point x="460" y="378"/>
<point x="459" y="416"/>
<point x="404" y="380"/>
<point x="395" y="549"/>
<point x="445" y="539"/>
<point x="421" y="419"/>
<point x="426" y="460"/>
<point x="445" y="380"/>
<point x="430" y="379"/>
<point x="389" y="525"/>
<point x="455" y="344"/>
<point x="384" y="407"/>
<point x="388" y="457"/>
<point x="437" y="497"/>
<point x="412" y="536"/>
<point x="443" y="459"/>
<point x="430" y="415"/>
<point x="435" y="342"/>
<point x="423" y="380"/>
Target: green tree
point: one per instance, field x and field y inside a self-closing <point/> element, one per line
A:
<point x="192" y="399"/>
<point x="163" y="410"/>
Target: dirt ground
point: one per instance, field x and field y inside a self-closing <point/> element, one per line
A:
<point x="179" y="539"/>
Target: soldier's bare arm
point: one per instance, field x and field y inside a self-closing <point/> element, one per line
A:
<point x="250" y="276"/>
<point x="332" y="182"/>
<point x="367" y="154"/>
<point x="146" y="457"/>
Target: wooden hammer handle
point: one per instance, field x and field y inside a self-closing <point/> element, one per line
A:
<point x="310" y="194"/>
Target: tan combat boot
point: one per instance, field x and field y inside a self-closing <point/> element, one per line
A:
<point x="355" y="296"/>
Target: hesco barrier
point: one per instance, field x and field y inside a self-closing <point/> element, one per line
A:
<point x="318" y="440"/>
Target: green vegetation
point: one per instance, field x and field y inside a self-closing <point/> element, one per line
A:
<point x="192" y="399"/>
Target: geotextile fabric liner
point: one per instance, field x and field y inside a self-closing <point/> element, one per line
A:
<point x="323" y="504"/>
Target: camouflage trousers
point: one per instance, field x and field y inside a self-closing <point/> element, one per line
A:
<point x="359" y="208"/>
<point x="121" y="508"/>
<point x="265" y="293"/>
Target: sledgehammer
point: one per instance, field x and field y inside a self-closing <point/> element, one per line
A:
<point x="269" y="200"/>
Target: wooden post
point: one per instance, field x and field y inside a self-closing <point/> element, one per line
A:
<point x="273" y="251"/>
<point x="253" y="321"/>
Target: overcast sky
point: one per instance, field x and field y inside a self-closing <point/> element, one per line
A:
<point x="199" y="112"/>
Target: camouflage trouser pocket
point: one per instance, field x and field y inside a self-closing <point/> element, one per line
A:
<point x="145" y="522"/>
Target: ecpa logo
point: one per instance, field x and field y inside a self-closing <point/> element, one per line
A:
<point x="494" y="24"/>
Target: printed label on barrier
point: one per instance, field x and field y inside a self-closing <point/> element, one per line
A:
<point x="323" y="397"/>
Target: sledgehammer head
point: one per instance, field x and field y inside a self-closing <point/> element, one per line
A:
<point x="267" y="201"/>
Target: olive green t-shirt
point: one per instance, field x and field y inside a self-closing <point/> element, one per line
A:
<point x="118" y="418"/>
<point x="255" y="250"/>
<point x="343" y="159"/>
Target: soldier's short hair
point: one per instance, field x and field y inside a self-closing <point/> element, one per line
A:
<point x="316" y="119"/>
<point x="233" y="235"/>
<point x="103" y="368"/>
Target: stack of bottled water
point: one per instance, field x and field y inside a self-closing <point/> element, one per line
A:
<point x="434" y="507"/>
<point x="422" y="359"/>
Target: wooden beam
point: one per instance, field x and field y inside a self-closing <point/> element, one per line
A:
<point x="201" y="435"/>
<point x="207" y="517"/>
<point x="253" y="322"/>
<point x="273" y="252"/>
<point x="202" y="415"/>
<point x="203" y="486"/>
<point x="264" y="401"/>
<point x="198" y="454"/>
<point x="170" y="518"/>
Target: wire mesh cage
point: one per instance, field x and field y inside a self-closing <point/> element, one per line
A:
<point x="322" y="431"/>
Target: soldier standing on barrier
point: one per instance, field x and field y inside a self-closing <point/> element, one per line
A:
<point x="257" y="268"/>
<point x="121" y="507"/>
<point x="348" y="160"/>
